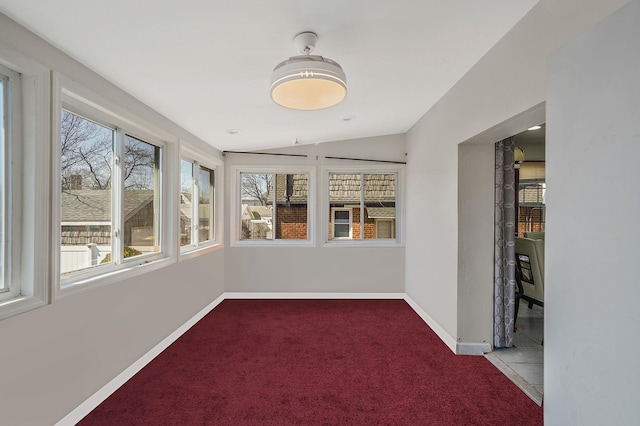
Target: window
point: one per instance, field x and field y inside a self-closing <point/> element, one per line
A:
<point x="110" y="195"/>
<point x="342" y="225"/>
<point x="531" y="197"/>
<point x="273" y="206"/>
<point x="362" y="206"/>
<point x="4" y="137"/>
<point x="24" y="177"/>
<point x="197" y="206"/>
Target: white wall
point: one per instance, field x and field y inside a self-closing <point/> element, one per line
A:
<point x="475" y="243"/>
<point x="53" y="358"/>
<point x="501" y="95"/>
<point x="592" y="320"/>
<point x="316" y="268"/>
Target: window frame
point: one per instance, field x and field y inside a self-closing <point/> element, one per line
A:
<point x="75" y="98"/>
<point x="214" y="166"/>
<point x="334" y="222"/>
<point x="236" y="222"/>
<point x="327" y="210"/>
<point x="11" y="132"/>
<point x="26" y="186"/>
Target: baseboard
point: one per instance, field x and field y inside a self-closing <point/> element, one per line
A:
<point x="473" y="348"/>
<point x="96" y="399"/>
<point x="300" y="295"/>
<point x="448" y="340"/>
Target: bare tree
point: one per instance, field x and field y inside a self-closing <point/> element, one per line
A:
<point x="86" y="150"/>
<point x="257" y="186"/>
<point x="139" y="164"/>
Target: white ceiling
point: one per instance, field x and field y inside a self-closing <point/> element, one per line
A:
<point x="206" y="64"/>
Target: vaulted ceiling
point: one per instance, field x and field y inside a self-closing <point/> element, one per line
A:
<point x="206" y="64"/>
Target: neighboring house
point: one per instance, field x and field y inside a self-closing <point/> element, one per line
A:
<point x="86" y="217"/>
<point x="257" y="222"/>
<point x="86" y="225"/>
<point x="378" y="196"/>
<point x="186" y="216"/>
<point x="531" y="197"/>
<point x="379" y="200"/>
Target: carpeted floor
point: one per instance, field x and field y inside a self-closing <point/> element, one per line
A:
<point x="315" y="362"/>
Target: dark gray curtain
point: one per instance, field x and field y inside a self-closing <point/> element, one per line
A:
<point x="505" y="229"/>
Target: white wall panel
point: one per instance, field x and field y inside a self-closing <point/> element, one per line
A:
<point x="592" y="321"/>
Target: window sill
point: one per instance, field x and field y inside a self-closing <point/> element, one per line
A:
<point x="199" y="251"/>
<point x="364" y="243"/>
<point x="18" y="305"/>
<point x="273" y="243"/>
<point x="129" y="271"/>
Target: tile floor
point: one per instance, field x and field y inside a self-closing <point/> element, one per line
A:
<point x="523" y="363"/>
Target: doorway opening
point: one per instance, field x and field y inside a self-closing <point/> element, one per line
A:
<point x="523" y="361"/>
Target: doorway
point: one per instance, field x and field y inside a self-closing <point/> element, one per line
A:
<point x="523" y="362"/>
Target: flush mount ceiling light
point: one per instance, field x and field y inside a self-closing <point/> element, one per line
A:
<point x="308" y="82"/>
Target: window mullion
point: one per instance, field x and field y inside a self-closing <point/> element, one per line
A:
<point x="195" y="205"/>
<point x="362" y="206"/>
<point x="274" y="206"/>
<point x="117" y="196"/>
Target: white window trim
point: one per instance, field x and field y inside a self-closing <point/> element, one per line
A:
<point x="81" y="100"/>
<point x="332" y="226"/>
<point x="399" y="171"/>
<point x="236" y="197"/>
<point x="195" y="212"/>
<point x="29" y="188"/>
<point x="12" y="151"/>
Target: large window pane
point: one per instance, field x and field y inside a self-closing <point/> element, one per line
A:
<point x="257" y="206"/>
<point x="85" y="165"/>
<point x="362" y="206"/>
<point x="292" y="199"/>
<point x="141" y="197"/>
<point x="345" y="193"/>
<point x="186" y="199"/>
<point x="205" y="205"/>
<point x="289" y="193"/>
<point x="380" y="205"/>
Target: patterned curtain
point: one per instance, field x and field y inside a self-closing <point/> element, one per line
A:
<point x="505" y="261"/>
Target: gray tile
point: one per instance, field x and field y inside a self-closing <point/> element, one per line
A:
<point x="523" y="363"/>
<point x="531" y="354"/>
<point x="531" y="373"/>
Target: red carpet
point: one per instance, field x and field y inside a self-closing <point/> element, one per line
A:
<point x="315" y="362"/>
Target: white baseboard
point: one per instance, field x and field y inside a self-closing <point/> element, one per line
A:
<point x="448" y="340"/>
<point x="298" y="295"/>
<point x="473" y="348"/>
<point x="96" y="399"/>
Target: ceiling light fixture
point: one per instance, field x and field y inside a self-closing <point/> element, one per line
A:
<point x="308" y="82"/>
<point x="534" y="128"/>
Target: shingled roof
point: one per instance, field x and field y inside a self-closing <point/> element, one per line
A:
<point x="93" y="205"/>
<point x="378" y="187"/>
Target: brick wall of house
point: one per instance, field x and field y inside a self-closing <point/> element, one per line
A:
<point x="291" y="222"/>
<point x="530" y="219"/>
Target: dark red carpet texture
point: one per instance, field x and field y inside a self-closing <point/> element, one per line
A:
<point x="315" y="362"/>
